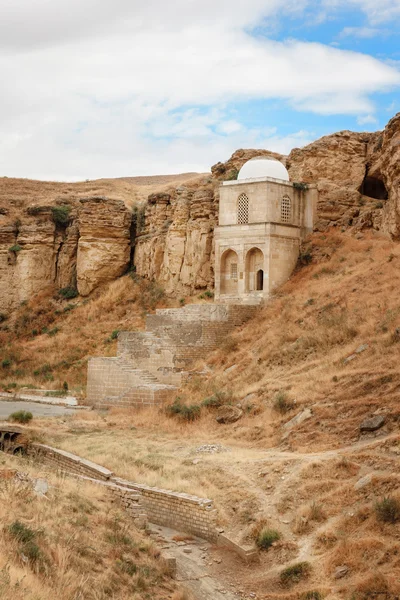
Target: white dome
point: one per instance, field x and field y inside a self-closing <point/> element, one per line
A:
<point x="262" y="166"/>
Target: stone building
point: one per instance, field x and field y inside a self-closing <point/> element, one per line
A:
<point x="263" y="218"/>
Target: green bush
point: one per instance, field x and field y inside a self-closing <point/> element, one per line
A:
<point x="217" y="399"/>
<point x="184" y="412"/>
<point x="68" y="292"/>
<point x="21" y="532"/>
<point x="61" y="214"/>
<point x="25" y="536"/>
<point x="295" y="573"/>
<point x="21" y="416"/>
<point x="5" y="363"/>
<point x="266" y="538"/>
<point x="300" y="185"/>
<point x="388" y="510"/>
<point x="208" y="294"/>
<point x="232" y="175"/>
<point x="282" y="402"/>
<point x="15" y="248"/>
<point x="114" y="334"/>
<point x="139" y="217"/>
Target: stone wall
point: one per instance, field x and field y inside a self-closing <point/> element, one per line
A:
<point x="180" y="511"/>
<point x="149" y="365"/>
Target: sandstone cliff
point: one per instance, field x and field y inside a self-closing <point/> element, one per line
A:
<point x="79" y="244"/>
<point x="171" y="237"/>
<point x="357" y="175"/>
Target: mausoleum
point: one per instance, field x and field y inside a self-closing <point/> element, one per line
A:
<point x="263" y="217"/>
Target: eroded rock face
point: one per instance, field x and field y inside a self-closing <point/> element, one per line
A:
<point x="91" y="248"/>
<point x="358" y="178"/>
<point x="176" y="242"/>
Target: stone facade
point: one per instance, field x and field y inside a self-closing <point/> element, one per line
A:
<point x="261" y="224"/>
<point x="150" y="364"/>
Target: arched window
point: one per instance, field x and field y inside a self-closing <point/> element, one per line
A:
<point x="286" y="209"/>
<point x="243" y="209"/>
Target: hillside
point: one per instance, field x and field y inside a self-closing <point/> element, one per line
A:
<point x="131" y="190"/>
<point x="325" y="350"/>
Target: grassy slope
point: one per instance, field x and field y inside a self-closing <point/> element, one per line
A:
<point x="73" y="544"/>
<point x="301" y="483"/>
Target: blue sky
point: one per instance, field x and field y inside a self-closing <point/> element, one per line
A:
<point x="92" y="88"/>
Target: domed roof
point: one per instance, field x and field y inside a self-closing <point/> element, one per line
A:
<point x="262" y="166"/>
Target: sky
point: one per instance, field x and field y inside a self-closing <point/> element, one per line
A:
<point x="111" y="88"/>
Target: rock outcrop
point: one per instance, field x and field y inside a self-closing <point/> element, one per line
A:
<point x="87" y="245"/>
<point x="175" y="243"/>
<point x="358" y="178"/>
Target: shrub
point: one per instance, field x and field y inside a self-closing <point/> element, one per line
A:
<point x="65" y="386"/>
<point x="232" y="175"/>
<point x="299" y="185"/>
<point x="217" y="399"/>
<point x="182" y="301"/>
<point x="388" y="510"/>
<point x="68" y="292"/>
<point x="311" y="595"/>
<point x="266" y="538"/>
<point x="295" y="573"/>
<point x="3" y="317"/>
<point x="22" y="533"/>
<point x="5" y="363"/>
<point x="114" y="334"/>
<point x="15" y="248"/>
<point x="60" y="214"/>
<point x="305" y="256"/>
<point x="208" y="294"/>
<point x="21" y="416"/>
<point x="25" y="536"/>
<point x="184" y="412"/>
<point x="282" y="402"/>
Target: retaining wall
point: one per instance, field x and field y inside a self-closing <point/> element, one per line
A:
<point x="183" y="512"/>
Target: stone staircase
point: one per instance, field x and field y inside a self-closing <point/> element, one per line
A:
<point x="150" y="364"/>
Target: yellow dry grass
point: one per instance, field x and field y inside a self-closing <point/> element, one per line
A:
<point x="300" y="481"/>
<point x="72" y="544"/>
<point x="131" y="190"/>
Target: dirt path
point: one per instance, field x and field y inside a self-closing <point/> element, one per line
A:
<point x="193" y="561"/>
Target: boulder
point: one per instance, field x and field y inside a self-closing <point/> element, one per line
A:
<point x="372" y="423"/>
<point x="228" y="414"/>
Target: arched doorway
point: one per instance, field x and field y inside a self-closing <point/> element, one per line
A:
<point x="229" y="272"/>
<point x="260" y="280"/>
<point x="254" y="270"/>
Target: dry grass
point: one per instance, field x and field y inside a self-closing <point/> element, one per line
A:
<point x="72" y="544"/>
<point x="290" y="480"/>
<point x="51" y="339"/>
<point x="131" y="190"/>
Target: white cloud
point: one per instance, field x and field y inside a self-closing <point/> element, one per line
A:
<point x="367" y="120"/>
<point x="93" y="88"/>
<point x="384" y="11"/>
<point x="362" y="32"/>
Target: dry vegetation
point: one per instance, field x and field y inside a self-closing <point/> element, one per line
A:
<point x="323" y="495"/>
<point x="72" y="544"/>
<point x="17" y="192"/>
<point x="51" y="339"/>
